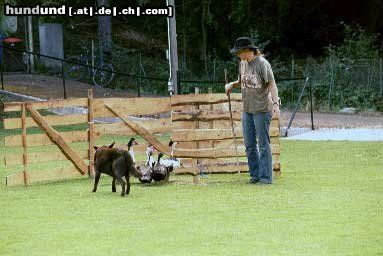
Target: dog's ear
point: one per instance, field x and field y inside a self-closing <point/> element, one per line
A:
<point x="111" y="145"/>
<point x="95" y="148"/>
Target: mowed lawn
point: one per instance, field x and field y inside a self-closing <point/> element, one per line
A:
<point x="328" y="201"/>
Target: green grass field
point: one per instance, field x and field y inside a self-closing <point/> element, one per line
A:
<point x="328" y="201"/>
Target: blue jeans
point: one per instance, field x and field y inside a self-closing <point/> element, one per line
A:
<point x="255" y="127"/>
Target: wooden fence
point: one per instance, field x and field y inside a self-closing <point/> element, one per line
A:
<point x="206" y="134"/>
<point x="199" y="123"/>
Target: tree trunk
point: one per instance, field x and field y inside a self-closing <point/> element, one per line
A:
<point x="204" y="35"/>
<point x="30" y="43"/>
<point x="184" y="66"/>
<point x="104" y="29"/>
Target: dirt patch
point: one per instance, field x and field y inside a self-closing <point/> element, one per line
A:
<point x="49" y="87"/>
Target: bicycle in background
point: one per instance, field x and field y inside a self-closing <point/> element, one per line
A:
<point x="78" y="67"/>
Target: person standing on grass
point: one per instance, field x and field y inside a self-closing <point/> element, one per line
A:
<point x="260" y="102"/>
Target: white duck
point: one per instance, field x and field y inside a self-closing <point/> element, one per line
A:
<point x="171" y="162"/>
<point x="130" y="145"/>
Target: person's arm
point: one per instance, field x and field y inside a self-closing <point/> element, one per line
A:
<point x="274" y="97"/>
<point x="274" y="92"/>
<point x="236" y="83"/>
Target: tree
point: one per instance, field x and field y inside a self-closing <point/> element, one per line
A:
<point x="104" y="29"/>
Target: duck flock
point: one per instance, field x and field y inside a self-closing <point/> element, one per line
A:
<point x="154" y="170"/>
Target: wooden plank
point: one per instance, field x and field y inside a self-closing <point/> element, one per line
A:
<point x="197" y="123"/>
<point x="276" y="158"/>
<point x="212" y="134"/>
<point x="25" y="150"/>
<point x="228" y="162"/>
<point x="212" y="161"/>
<point x="44" y="175"/>
<point x="277" y="169"/>
<point x="275" y="149"/>
<point x="211" y="123"/>
<point x="224" y="144"/>
<point x="204" y="115"/>
<point x="142" y="132"/>
<point x="194" y="170"/>
<point x="187" y="170"/>
<point x="274" y="123"/>
<point x="44" y="140"/>
<point x="203" y="99"/>
<point x="204" y="134"/>
<point x="231" y="168"/>
<point x="182" y="125"/>
<point x="161" y="125"/>
<point x="91" y="134"/>
<point x="214" y="152"/>
<point x="40" y="157"/>
<point x="15" y="123"/>
<point x="224" y="124"/>
<point x="75" y="102"/>
<point x="235" y="106"/>
<point x="131" y="106"/>
<point x="58" y="140"/>
<point x="227" y="143"/>
<point x="274" y="140"/>
<point x="138" y="149"/>
<point x="185" y="145"/>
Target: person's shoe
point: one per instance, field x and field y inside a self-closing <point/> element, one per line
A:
<point x="253" y="180"/>
<point x="264" y="182"/>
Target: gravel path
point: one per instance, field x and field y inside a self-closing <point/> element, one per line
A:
<point x="353" y="134"/>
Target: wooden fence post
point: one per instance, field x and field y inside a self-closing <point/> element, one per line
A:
<point x="24" y="141"/>
<point x="90" y="134"/>
<point x="196" y="177"/>
<point x="211" y="123"/>
<point x="277" y="170"/>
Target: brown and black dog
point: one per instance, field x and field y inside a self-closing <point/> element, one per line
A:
<point x="116" y="163"/>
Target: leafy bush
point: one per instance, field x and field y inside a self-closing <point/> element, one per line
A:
<point x="348" y="75"/>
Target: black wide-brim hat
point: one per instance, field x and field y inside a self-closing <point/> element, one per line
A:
<point x="243" y="43"/>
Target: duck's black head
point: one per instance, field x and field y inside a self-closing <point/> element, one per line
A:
<point x="132" y="142"/>
<point x="159" y="156"/>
